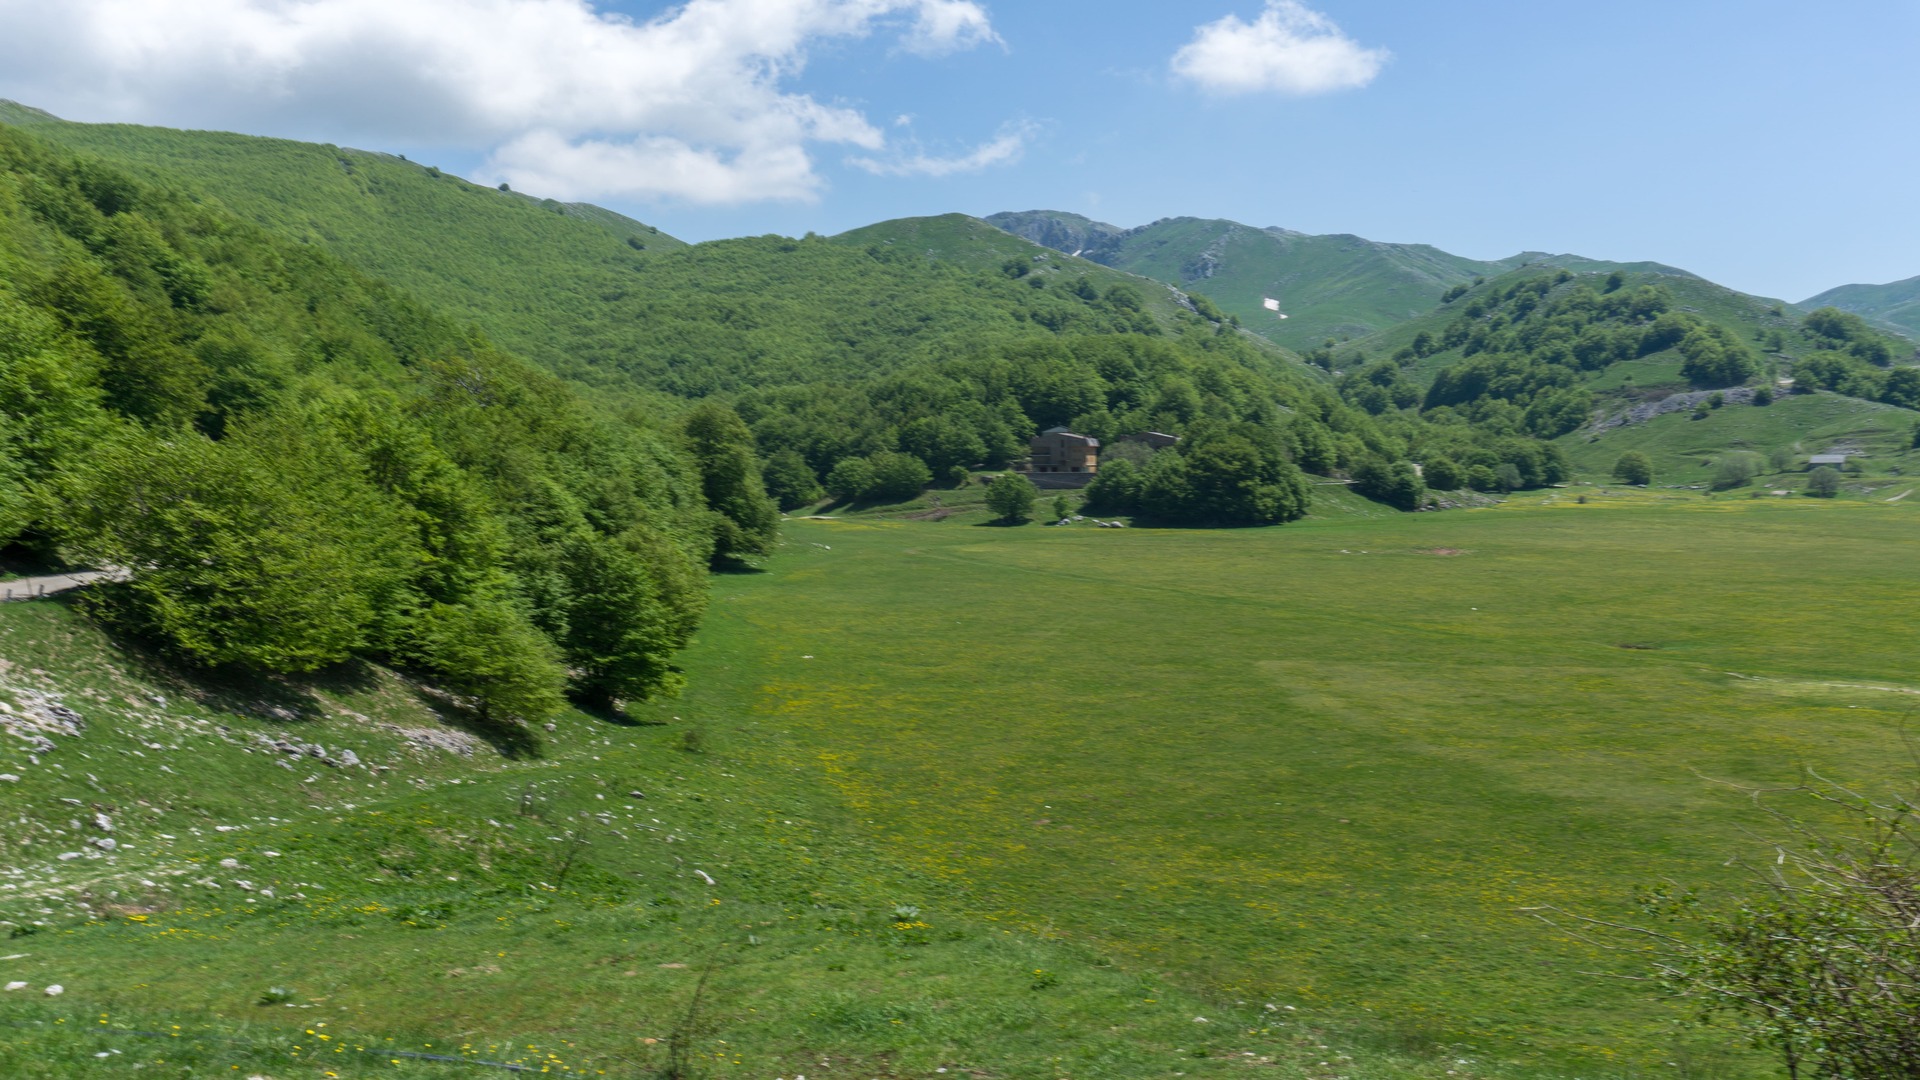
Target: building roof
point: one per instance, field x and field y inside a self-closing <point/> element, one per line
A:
<point x="1827" y="459"/>
<point x="1075" y="436"/>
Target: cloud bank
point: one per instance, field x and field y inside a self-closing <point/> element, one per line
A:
<point x="1290" y="49"/>
<point x="695" y="104"/>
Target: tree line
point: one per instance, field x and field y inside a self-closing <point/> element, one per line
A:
<point x="298" y="465"/>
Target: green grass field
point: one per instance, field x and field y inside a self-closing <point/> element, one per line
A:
<point x="1684" y="450"/>
<point x="1020" y="802"/>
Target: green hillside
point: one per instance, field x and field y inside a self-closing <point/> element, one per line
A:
<point x="1628" y="361"/>
<point x="1334" y="286"/>
<point x="530" y="273"/>
<point x="1896" y="305"/>
<point x="297" y="466"/>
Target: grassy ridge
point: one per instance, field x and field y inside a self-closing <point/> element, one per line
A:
<point x="1895" y="305"/>
<point x="1335" y="286"/>
<point x="515" y="266"/>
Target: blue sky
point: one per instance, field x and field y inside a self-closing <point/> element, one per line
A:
<point x="1766" y="145"/>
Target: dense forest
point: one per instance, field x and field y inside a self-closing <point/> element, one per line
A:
<point x="296" y="464"/>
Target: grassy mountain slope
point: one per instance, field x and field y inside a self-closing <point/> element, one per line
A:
<point x="1335" y="286"/>
<point x="1686" y="451"/>
<point x="1685" y="448"/>
<point x="1896" y="305"/>
<point x="606" y="300"/>
<point x="514" y="266"/>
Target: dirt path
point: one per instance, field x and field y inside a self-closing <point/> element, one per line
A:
<point x="33" y="588"/>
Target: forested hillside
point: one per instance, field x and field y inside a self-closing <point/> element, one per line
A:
<point x="866" y="366"/>
<point x="1548" y="353"/>
<point x="529" y="272"/>
<point x="295" y="464"/>
<point x="1335" y="286"/>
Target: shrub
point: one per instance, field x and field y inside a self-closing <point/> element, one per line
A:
<point x="1445" y="474"/>
<point x="1633" y="467"/>
<point x="1823" y="483"/>
<point x="1735" y="470"/>
<point x="1395" y="484"/>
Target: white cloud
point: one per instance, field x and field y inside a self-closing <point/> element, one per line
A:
<point x="694" y="104"/>
<point x="1004" y="149"/>
<point x="1289" y="49"/>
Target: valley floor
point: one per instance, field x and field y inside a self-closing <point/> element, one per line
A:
<point x="1012" y="802"/>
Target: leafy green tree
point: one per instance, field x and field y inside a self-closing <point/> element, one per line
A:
<point x="1136" y="454"/>
<point x="790" y="481"/>
<point x="722" y="449"/>
<point x="1823" y="482"/>
<point x="1714" y="357"/>
<point x="1394" y="483"/>
<point x="1011" y="497"/>
<point x="492" y="654"/>
<point x="1902" y="388"/>
<point x="1061" y="508"/>
<point x="620" y="628"/>
<point x="1734" y="470"/>
<point x="851" y="479"/>
<point x="1444" y="474"/>
<point x="1813" y="962"/>
<point x="1633" y="467"/>
<point x="1507" y="477"/>
<point x="1117" y="489"/>
<point x="267" y="550"/>
<point x="898" y="476"/>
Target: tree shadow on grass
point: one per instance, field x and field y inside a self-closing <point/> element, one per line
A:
<point x="736" y="567"/>
<point x="228" y="688"/>
<point x="296" y="699"/>
<point x="507" y="737"/>
<point x="614" y="715"/>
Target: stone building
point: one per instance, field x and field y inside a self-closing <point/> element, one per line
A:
<point x="1060" y="458"/>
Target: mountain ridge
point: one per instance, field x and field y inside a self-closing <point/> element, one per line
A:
<point x="1331" y="286"/>
<point x="1894" y="306"/>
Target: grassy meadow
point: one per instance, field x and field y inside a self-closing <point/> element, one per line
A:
<point x="1017" y="802"/>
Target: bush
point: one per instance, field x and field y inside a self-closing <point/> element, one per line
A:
<point x="1815" y="964"/>
<point x="1633" y="467"/>
<point x="850" y="479"/>
<point x="1823" y="482"/>
<point x="1395" y="484"/>
<point x="1445" y="474"/>
<point x="898" y="476"/>
<point x="1735" y="470"/>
